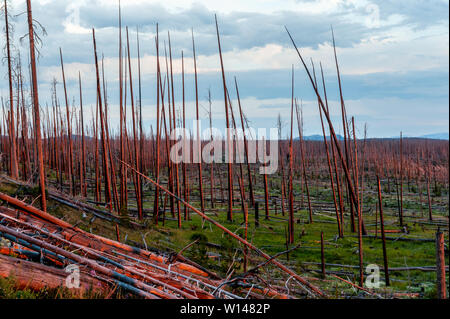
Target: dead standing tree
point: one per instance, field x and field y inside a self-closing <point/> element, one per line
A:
<point x="291" y="170"/>
<point x="102" y="124"/>
<point x="302" y="152"/>
<point x="198" y="151"/>
<point x="69" y="128"/>
<point x="37" y="123"/>
<point x="83" y="145"/>
<point x="250" y="184"/>
<point x="228" y="140"/>
<point x="14" y="167"/>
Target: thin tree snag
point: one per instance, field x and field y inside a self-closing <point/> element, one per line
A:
<point x="103" y="136"/>
<point x="302" y="152"/>
<point x="158" y="138"/>
<point x="440" y="266"/>
<point x="266" y="186"/>
<point x="123" y="178"/>
<point x="338" y="182"/>
<point x="228" y="142"/>
<point x="427" y="177"/>
<point x="198" y="141"/>
<point x="117" y="233"/>
<point x="252" y="195"/>
<point x="338" y="219"/>
<point x="97" y="167"/>
<point x="177" y="178"/>
<point x="359" y="212"/>
<point x="141" y="129"/>
<point x="309" y="287"/>
<point x="37" y="121"/>
<point x="322" y="256"/>
<point x="281" y="161"/>
<point x="133" y="116"/>
<point x="383" y="237"/>
<point x="401" y="180"/>
<point x="211" y="166"/>
<point x="291" y="169"/>
<point x="238" y="151"/>
<point x="83" y="145"/>
<point x="14" y="166"/>
<point x="185" y="182"/>
<point x="115" y="195"/>
<point x="25" y="143"/>
<point x="363" y="171"/>
<point x="69" y="129"/>
<point x="242" y="190"/>
<point x="170" y="164"/>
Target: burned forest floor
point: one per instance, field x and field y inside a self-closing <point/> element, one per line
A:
<point x="411" y="248"/>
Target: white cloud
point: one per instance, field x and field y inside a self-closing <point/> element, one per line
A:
<point x="392" y="45"/>
<point x="403" y="50"/>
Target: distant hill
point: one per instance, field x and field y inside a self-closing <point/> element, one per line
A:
<point x="436" y="136"/>
<point x="317" y="137"/>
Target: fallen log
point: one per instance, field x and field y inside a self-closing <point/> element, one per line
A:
<point x="391" y="231"/>
<point x="398" y="238"/>
<point x="421" y="268"/>
<point x="73" y="203"/>
<point x="96" y="212"/>
<point x="36" y="276"/>
<point x="28" y="254"/>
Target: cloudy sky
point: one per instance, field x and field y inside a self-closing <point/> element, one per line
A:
<point x="393" y="56"/>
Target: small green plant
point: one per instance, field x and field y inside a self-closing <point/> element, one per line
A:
<point x="199" y="250"/>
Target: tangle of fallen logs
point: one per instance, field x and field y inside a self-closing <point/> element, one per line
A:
<point x="44" y="245"/>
